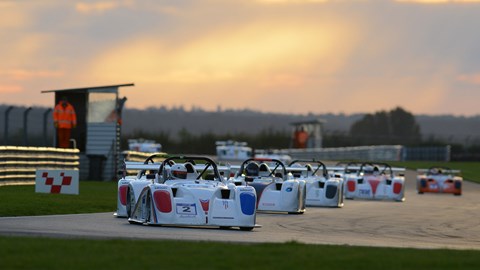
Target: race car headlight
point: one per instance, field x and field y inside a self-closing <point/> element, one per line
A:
<point x="331" y="191"/>
<point x="458" y="184"/>
<point x="423" y="183"/>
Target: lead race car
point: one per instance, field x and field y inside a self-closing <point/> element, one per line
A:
<point x="180" y="195"/>
<point x="322" y="189"/>
<point x="277" y="191"/>
<point x="376" y="181"/>
<point x="439" y="180"/>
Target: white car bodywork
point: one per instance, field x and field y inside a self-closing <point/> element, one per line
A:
<point x="193" y="201"/>
<point x="322" y="189"/>
<point x="383" y="183"/>
<point x="276" y="190"/>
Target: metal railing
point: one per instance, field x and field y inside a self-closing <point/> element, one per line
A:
<point x="377" y="153"/>
<point x="372" y="153"/>
<point x="19" y="164"/>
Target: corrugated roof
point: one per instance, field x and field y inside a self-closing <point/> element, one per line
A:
<point x="314" y="121"/>
<point x="88" y="88"/>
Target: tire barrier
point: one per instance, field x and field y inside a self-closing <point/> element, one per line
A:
<point x="18" y="164"/>
<point x="130" y="155"/>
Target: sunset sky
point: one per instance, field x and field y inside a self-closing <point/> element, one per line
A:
<point x="288" y="56"/>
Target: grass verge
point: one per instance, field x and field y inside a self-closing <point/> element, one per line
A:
<point x="143" y="254"/>
<point x="470" y="170"/>
<point x="94" y="197"/>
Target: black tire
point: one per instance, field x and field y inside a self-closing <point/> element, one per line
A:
<point x="246" y="229"/>
<point x="148" y="207"/>
<point x="128" y="206"/>
<point x="303" y="199"/>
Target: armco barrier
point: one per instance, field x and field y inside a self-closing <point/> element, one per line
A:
<point x="377" y="153"/>
<point x="19" y="164"/>
<point x="370" y="153"/>
<point x="129" y="155"/>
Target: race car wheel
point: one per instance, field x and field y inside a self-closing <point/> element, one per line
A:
<point x="246" y="228"/>
<point x="129" y="214"/>
<point x="225" y="227"/>
<point x="457" y="194"/>
<point x="420" y="192"/>
<point x="130" y="202"/>
<point x="148" y="208"/>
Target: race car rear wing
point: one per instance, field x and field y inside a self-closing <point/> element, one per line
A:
<point x="341" y="169"/>
<point x="134" y="165"/>
<point x="442" y="171"/>
<point x="223" y="170"/>
<point x="355" y="170"/>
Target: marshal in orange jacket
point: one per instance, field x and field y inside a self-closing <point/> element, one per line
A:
<point x="64" y="115"/>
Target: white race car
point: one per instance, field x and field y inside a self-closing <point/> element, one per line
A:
<point x="178" y="194"/>
<point x="141" y="145"/>
<point x="439" y="180"/>
<point x="376" y="181"/>
<point x="277" y="191"/>
<point x="322" y="188"/>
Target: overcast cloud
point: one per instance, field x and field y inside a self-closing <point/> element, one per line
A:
<point x="271" y="55"/>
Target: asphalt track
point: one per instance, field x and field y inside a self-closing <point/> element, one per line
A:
<point x="422" y="221"/>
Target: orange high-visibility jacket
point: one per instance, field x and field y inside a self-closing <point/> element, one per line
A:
<point x="64" y="117"/>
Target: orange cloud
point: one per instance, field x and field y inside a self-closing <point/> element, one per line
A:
<point x="12" y="16"/>
<point x="22" y="74"/>
<point x="10" y="88"/>
<point x="292" y="1"/>
<point x="101" y="6"/>
<point x="263" y="59"/>
<point x="438" y="1"/>
<point x="469" y="78"/>
<point x="229" y="54"/>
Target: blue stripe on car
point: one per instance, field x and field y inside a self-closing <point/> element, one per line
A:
<point x="248" y="203"/>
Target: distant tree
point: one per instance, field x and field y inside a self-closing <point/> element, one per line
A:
<point x="337" y="139"/>
<point x="394" y="127"/>
<point x="404" y="127"/>
<point x="186" y="142"/>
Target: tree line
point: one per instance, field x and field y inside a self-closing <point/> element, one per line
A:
<point x="393" y="127"/>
